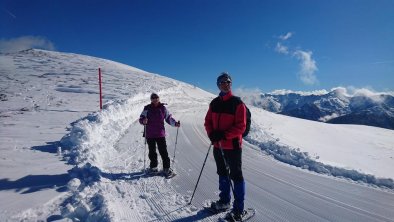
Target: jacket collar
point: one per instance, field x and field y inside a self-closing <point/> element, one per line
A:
<point x="227" y="96"/>
<point x="158" y="105"/>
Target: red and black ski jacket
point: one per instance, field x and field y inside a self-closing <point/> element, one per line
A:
<point x="228" y="114"/>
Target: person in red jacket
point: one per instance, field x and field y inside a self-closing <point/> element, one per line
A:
<point x="225" y="123"/>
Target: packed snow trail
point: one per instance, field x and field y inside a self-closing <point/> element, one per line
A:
<point x="277" y="191"/>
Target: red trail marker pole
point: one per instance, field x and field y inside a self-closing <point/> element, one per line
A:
<point x="101" y="97"/>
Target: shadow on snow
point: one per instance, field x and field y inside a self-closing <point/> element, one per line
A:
<point x="34" y="183"/>
<point x="128" y="176"/>
<point x="50" y="147"/>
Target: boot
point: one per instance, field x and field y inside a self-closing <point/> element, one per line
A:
<point x="219" y="206"/>
<point x="168" y="172"/>
<point x="236" y="216"/>
<point x="152" y="170"/>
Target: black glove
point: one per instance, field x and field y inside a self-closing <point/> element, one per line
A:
<point x="216" y="136"/>
<point x="178" y="124"/>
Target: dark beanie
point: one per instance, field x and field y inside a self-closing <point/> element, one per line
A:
<point x="223" y="77"/>
<point x="154" y="95"/>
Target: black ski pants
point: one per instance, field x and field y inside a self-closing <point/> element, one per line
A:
<point x="162" y="147"/>
<point x="234" y="161"/>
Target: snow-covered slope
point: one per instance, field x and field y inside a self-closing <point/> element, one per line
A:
<point x="50" y="104"/>
<point x="320" y="147"/>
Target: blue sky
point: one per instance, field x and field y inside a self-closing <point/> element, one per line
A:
<point x="300" y="45"/>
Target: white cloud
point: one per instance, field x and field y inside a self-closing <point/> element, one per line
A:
<point x="307" y="63"/>
<point x="25" y="42"/>
<point x="248" y="95"/>
<point x="286" y="36"/>
<point x="308" y="67"/>
<point x="351" y="91"/>
<point x="328" y="117"/>
<point x="370" y="93"/>
<point x="303" y="93"/>
<point x="281" y="48"/>
<point x="341" y="91"/>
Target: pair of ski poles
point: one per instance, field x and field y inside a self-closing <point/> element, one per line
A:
<point x="176" y="142"/>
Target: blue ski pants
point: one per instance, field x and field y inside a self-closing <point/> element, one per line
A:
<point x="234" y="162"/>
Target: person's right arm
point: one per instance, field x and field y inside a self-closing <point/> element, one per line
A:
<point x="144" y="116"/>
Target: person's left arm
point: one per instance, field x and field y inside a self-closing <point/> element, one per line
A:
<point x="168" y="117"/>
<point x="239" y="125"/>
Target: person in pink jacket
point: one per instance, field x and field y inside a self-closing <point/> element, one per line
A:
<point x="153" y="116"/>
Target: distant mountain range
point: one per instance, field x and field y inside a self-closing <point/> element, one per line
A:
<point x="332" y="107"/>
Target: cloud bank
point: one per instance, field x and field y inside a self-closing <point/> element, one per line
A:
<point x="349" y="91"/>
<point x="25" y="42"/>
<point x="352" y="91"/>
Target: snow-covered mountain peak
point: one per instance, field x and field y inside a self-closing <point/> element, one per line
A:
<point x="336" y="106"/>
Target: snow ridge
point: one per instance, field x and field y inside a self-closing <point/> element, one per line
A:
<point x="87" y="146"/>
<point x="293" y="156"/>
<point x="92" y="136"/>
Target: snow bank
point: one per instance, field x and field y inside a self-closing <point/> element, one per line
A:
<point x="293" y="156"/>
<point x="87" y="145"/>
<point x="85" y="204"/>
<point x="95" y="135"/>
<point x="91" y="142"/>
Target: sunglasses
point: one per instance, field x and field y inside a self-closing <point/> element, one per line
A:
<point x="154" y="97"/>
<point x="225" y="82"/>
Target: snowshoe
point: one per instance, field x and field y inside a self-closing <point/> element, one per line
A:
<point x="244" y="216"/>
<point x="218" y="207"/>
<point x="152" y="171"/>
<point x="168" y="173"/>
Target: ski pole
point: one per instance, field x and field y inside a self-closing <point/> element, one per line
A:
<point x="200" y="174"/>
<point x="145" y="148"/>
<point x="176" y="142"/>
